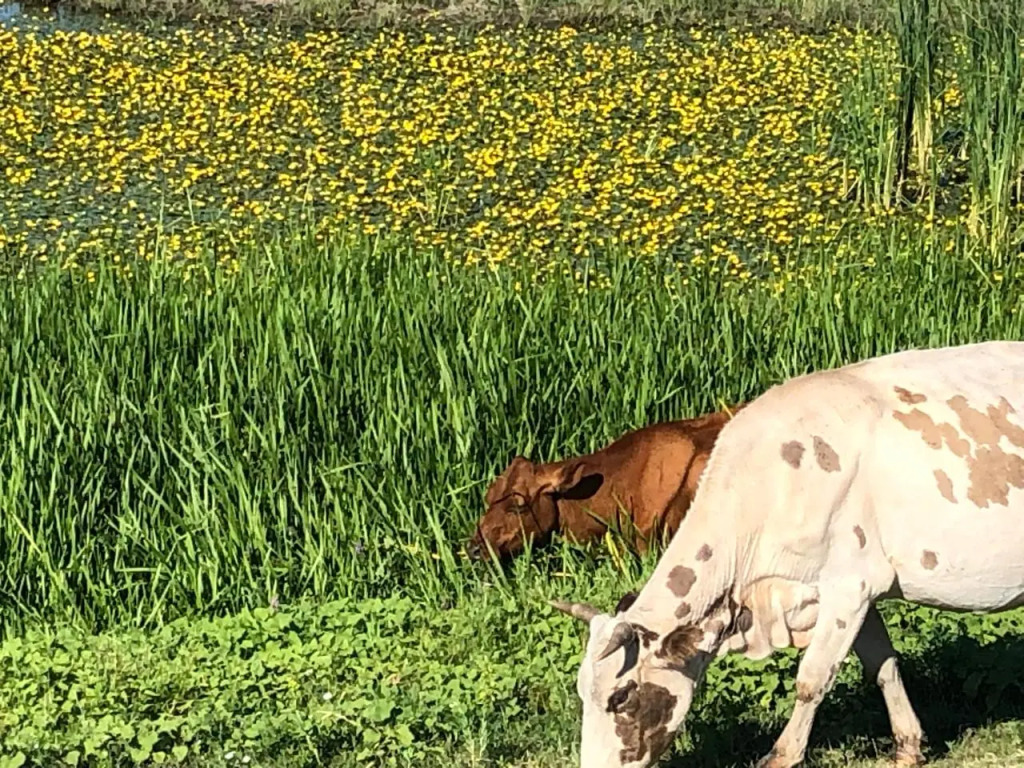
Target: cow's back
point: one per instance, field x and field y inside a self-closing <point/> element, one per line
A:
<point x="914" y="459"/>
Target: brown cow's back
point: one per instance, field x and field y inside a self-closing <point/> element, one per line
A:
<point x="652" y="472"/>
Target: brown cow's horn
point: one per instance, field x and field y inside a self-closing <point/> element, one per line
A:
<point x="622" y="635"/>
<point x="582" y="611"/>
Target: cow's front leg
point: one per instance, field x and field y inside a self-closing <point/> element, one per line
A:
<point x="879" y="659"/>
<point x="840" y="617"/>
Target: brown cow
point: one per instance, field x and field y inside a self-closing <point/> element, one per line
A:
<point x="645" y="479"/>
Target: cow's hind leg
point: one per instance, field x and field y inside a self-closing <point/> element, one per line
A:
<point x="879" y="659"/>
<point x="840" y="616"/>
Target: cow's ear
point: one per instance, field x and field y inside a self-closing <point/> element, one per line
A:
<point x="625" y="602"/>
<point x="563" y="477"/>
<point x="517" y="469"/>
<point x="517" y="464"/>
<point x="680" y="645"/>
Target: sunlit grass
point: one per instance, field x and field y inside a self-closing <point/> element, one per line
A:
<point x="324" y="421"/>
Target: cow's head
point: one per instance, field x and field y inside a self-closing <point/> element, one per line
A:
<point x="636" y="685"/>
<point x="521" y="505"/>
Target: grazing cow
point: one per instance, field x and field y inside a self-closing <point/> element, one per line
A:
<point x="894" y="477"/>
<point x="649" y="476"/>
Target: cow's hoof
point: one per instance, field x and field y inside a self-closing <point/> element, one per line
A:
<point x="907" y="757"/>
<point x="908" y="751"/>
<point x="774" y="760"/>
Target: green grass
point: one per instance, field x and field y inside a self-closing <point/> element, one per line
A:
<point x="324" y="425"/>
<point x="906" y="144"/>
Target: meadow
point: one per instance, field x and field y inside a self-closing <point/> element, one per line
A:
<point x="280" y="300"/>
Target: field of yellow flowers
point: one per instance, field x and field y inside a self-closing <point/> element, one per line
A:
<point x="495" y="146"/>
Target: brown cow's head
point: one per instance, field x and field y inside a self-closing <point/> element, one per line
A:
<point x="521" y="505"/>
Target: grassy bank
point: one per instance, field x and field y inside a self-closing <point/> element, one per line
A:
<point x="487" y="682"/>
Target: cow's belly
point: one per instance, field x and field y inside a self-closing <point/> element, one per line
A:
<point x="970" y="572"/>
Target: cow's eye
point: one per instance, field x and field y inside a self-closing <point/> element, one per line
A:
<point x="619" y="698"/>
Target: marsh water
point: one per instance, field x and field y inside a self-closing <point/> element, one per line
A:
<point x="55" y="16"/>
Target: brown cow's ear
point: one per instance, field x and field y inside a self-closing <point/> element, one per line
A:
<point x="504" y="482"/>
<point x="680" y="645"/>
<point x="517" y="463"/>
<point x="562" y="477"/>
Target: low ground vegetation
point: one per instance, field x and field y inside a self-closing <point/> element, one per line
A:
<point x="394" y="682"/>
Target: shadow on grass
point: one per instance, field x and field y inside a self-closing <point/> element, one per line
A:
<point x="954" y="686"/>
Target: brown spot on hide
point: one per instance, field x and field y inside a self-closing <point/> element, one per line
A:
<point x="929" y="560"/>
<point x="683" y="610"/>
<point x="982" y="428"/>
<point x="792" y="453"/>
<point x="625" y="602"/>
<point x="641" y="723"/>
<point x="908" y="397"/>
<point x="744" y="619"/>
<point x="992" y="471"/>
<point x="934" y="435"/>
<point x="620" y="696"/>
<point x="945" y="485"/>
<point x="840" y="624"/>
<point x="681" y="580"/>
<point x="1012" y="432"/>
<point x="680" y="644"/>
<point x="861" y="538"/>
<point x="704" y="554"/>
<point x="647" y="636"/>
<point x="991" y="474"/>
<point x="804" y="692"/>
<point x="863" y="585"/>
<point x="827" y="458"/>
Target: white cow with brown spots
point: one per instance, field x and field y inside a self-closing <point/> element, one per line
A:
<point x="900" y="476"/>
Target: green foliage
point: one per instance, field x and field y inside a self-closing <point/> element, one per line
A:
<point x="945" y="108"/>
<point x="989" y="67"/>
<point x="393" y="682"/>
<point x="380" y="682"/>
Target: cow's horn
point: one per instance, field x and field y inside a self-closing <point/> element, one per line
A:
<point x="622" y="635"/>
<point x="582" y="611"/>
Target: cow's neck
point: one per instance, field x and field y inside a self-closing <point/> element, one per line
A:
<point x="576" y="516"/>
<point x="698" y="568"/>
